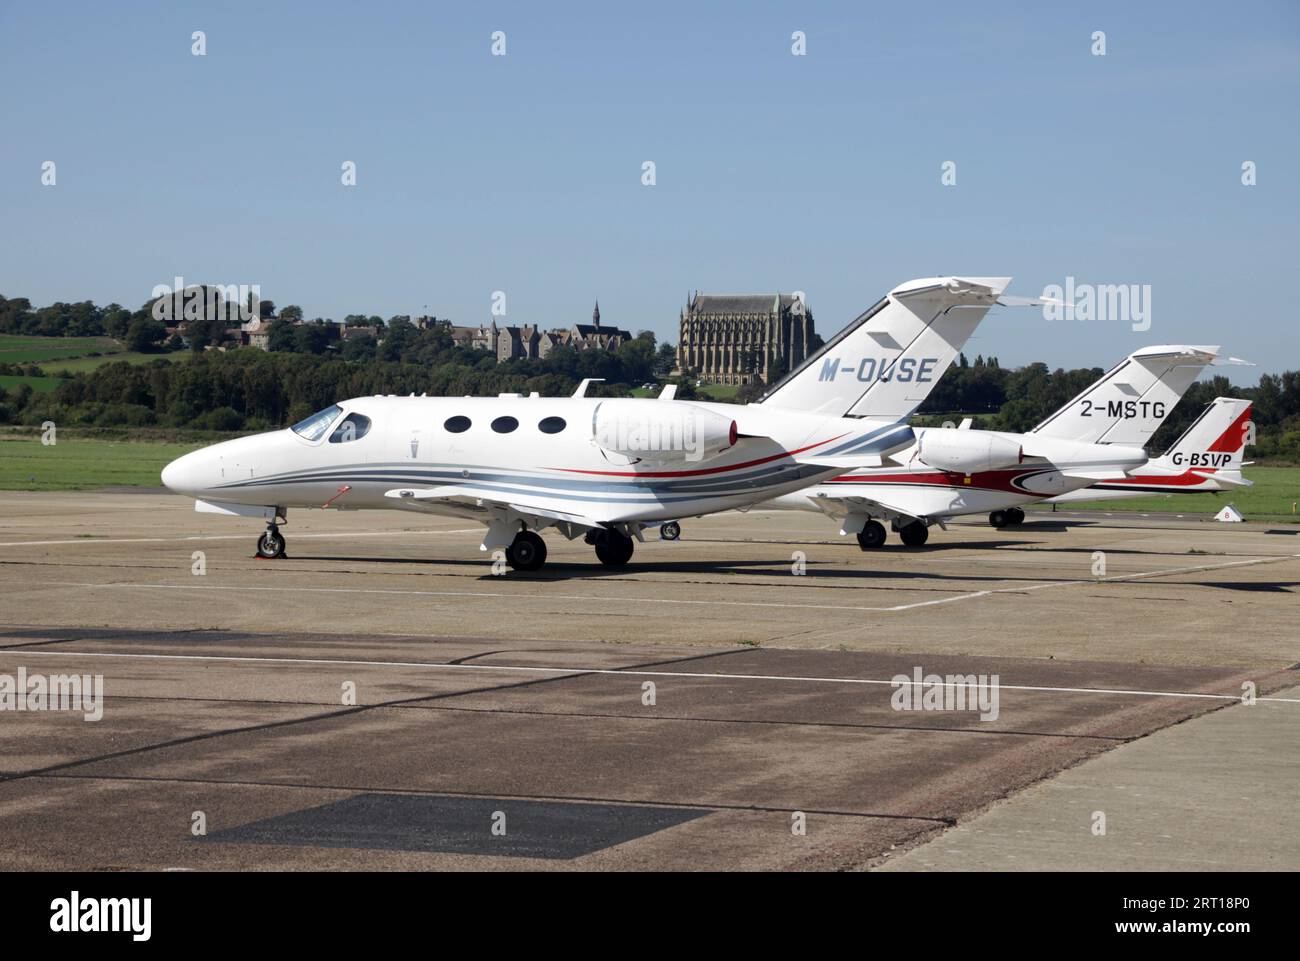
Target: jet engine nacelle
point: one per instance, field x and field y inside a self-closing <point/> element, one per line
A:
<point x="661" y="431"/>
<point x="967" y="451"/>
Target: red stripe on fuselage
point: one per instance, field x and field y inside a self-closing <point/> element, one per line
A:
<point x="1188" y="478"/>
<point x="993" y="480"/>
<point x="702" y="470"/>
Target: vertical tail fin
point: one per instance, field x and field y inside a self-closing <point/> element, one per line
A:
<point x="886" y="362"/>
<point x="1216" y="440"/>
<point x="1129" y="403"/>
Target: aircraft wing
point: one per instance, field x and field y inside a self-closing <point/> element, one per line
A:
<point x="501" y="512"/>
<point x="849" y="505"/>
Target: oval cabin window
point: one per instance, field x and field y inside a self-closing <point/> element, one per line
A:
<point x="551" y="425"/>
<point x="504" y="425"/>
<point x="456" y="425"/>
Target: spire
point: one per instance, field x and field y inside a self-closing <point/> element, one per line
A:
<point x="595" y="315"/>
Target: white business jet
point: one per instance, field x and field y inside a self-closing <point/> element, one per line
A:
<point x="1208" y="457"/>
<point x="601" y="468"/>
<point x="1098" y="436"/>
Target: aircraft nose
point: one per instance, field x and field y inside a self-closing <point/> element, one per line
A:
<point x="185" y="473"/>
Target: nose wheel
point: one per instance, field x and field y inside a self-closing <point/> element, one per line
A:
<point x="271" y="544"/>
<point x="670" y="531"/>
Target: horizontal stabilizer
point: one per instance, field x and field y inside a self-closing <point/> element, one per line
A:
<point x="1229" y="479"/>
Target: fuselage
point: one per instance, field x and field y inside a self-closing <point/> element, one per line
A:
<point x="919" y="491"/>
<point x="531" y="448"/>
<point x="1154" y="484"/>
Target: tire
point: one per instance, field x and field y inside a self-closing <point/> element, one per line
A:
<point x="527" y="552"/>
<point x="670" y="531"/>
<point x="613" y="549"/>
<point x="271" y="544"/>
<point x="999" y="519"/>
<point x="871" y="536"/>
<point x="1017" y="516"/>
<point x="914" y="534"/>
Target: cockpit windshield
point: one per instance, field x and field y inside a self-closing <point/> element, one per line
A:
<point x="315" y="426"/>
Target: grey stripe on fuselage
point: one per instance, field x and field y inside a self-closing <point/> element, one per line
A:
<point x="632" y="493"/>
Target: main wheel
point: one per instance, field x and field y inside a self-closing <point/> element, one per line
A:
<point x="527" y="552"/>
<point x="271" y="544"/>
<point x="670" y="531"/>
<point x="914" y="534"/>
<point x="1016" y="516"/>
<point x="873" y="535"/>
<point x="613" y="549"/>
<point x="999" y="519"/>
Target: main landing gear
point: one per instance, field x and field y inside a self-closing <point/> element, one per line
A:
<point x="1011" y="517"/>
<point x="873" y="535"/>
<point x="914" y="534"/>
<point x="527" y="552"/>
<point x="271" y="544"/>
<point x="612" y="548"/>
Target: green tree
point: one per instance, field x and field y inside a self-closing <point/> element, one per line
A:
<point x="280" y="336"/>
<point x="144" y="334"/>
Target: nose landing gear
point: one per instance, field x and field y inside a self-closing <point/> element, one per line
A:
<point x="271" y="544"/>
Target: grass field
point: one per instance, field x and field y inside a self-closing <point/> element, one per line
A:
<point x="78" y="364"/>
<point x="1275" y="490"/>
<point x="719" y="392"/>
<point x="56" y="354"/>
<point x="39" y="384"/>
<point x="83" y="464"/>
<point x="715" y="392"/>
<point x="20" y="349"/>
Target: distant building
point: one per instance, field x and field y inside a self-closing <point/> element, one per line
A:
<point x="256" y="332"/>
<point x="739" y="338"/>
<point x="530" y="342"/>
<point x="359" y="332"/>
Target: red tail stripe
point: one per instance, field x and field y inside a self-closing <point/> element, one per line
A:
<point x="1234" y="438"/>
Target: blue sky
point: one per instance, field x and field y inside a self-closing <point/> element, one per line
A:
<point x="522" y="173"/>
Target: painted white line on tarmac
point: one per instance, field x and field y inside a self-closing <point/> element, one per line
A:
<point x="579" y="671"/>
<point x="603" y="600"/>
<point x="497" y="595"/>
<point x="226" y="537"/>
